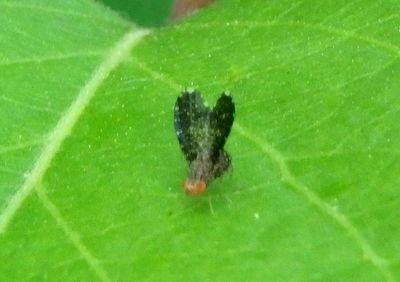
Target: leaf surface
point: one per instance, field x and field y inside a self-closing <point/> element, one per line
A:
<point x="90" y="168"/>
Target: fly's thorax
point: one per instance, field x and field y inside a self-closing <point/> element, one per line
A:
<point x="202" y="133"/>
<point x="209" y="165"/>
<point x="201" y="168"/>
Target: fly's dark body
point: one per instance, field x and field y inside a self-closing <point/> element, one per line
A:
<point x="202" y="133"/>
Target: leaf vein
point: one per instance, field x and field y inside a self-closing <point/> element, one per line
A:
<point x="74" y="237"/>
<point x="338" y="154"/>
<point x="39" y="59"/>
<point x="391" y="48"/>
<point x="67" y="121"/>
<point x="368" y="252"/>
<point x="289" y="10"/>
<point x="20" y="146"/>
<point x="365" y="125"/>
<point x="28" y="105"/>
<point x="50" y="10"/>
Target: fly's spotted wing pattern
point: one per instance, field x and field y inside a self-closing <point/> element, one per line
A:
<point x="190" y="116"/>
<point x="202" y="133"/>
<point x="221" y="120"/>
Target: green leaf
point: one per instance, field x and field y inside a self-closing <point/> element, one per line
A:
<point x="90" y="168"/>
<point x="146" y="13"/>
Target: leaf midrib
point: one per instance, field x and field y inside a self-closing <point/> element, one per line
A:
<point x="67" y="121"/>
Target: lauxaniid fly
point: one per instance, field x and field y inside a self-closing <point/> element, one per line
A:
<point x="202" y="133"/>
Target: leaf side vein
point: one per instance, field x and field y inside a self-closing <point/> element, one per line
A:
<point x="368" y="252"/>
<point x="375" y="42"/>
<point x="51" y="10"/>
<point x="56" y="57"/>
<point x="74" y="237"/>
<point x="67" y="121"/>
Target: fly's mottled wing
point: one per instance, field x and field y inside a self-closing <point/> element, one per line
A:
<point x="221" y="120"/>
<point x="190" y="119"/>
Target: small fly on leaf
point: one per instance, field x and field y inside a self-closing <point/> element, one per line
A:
<point x="202" y="133"/>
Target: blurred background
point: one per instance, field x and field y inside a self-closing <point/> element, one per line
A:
<point x="154" y="13"/>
